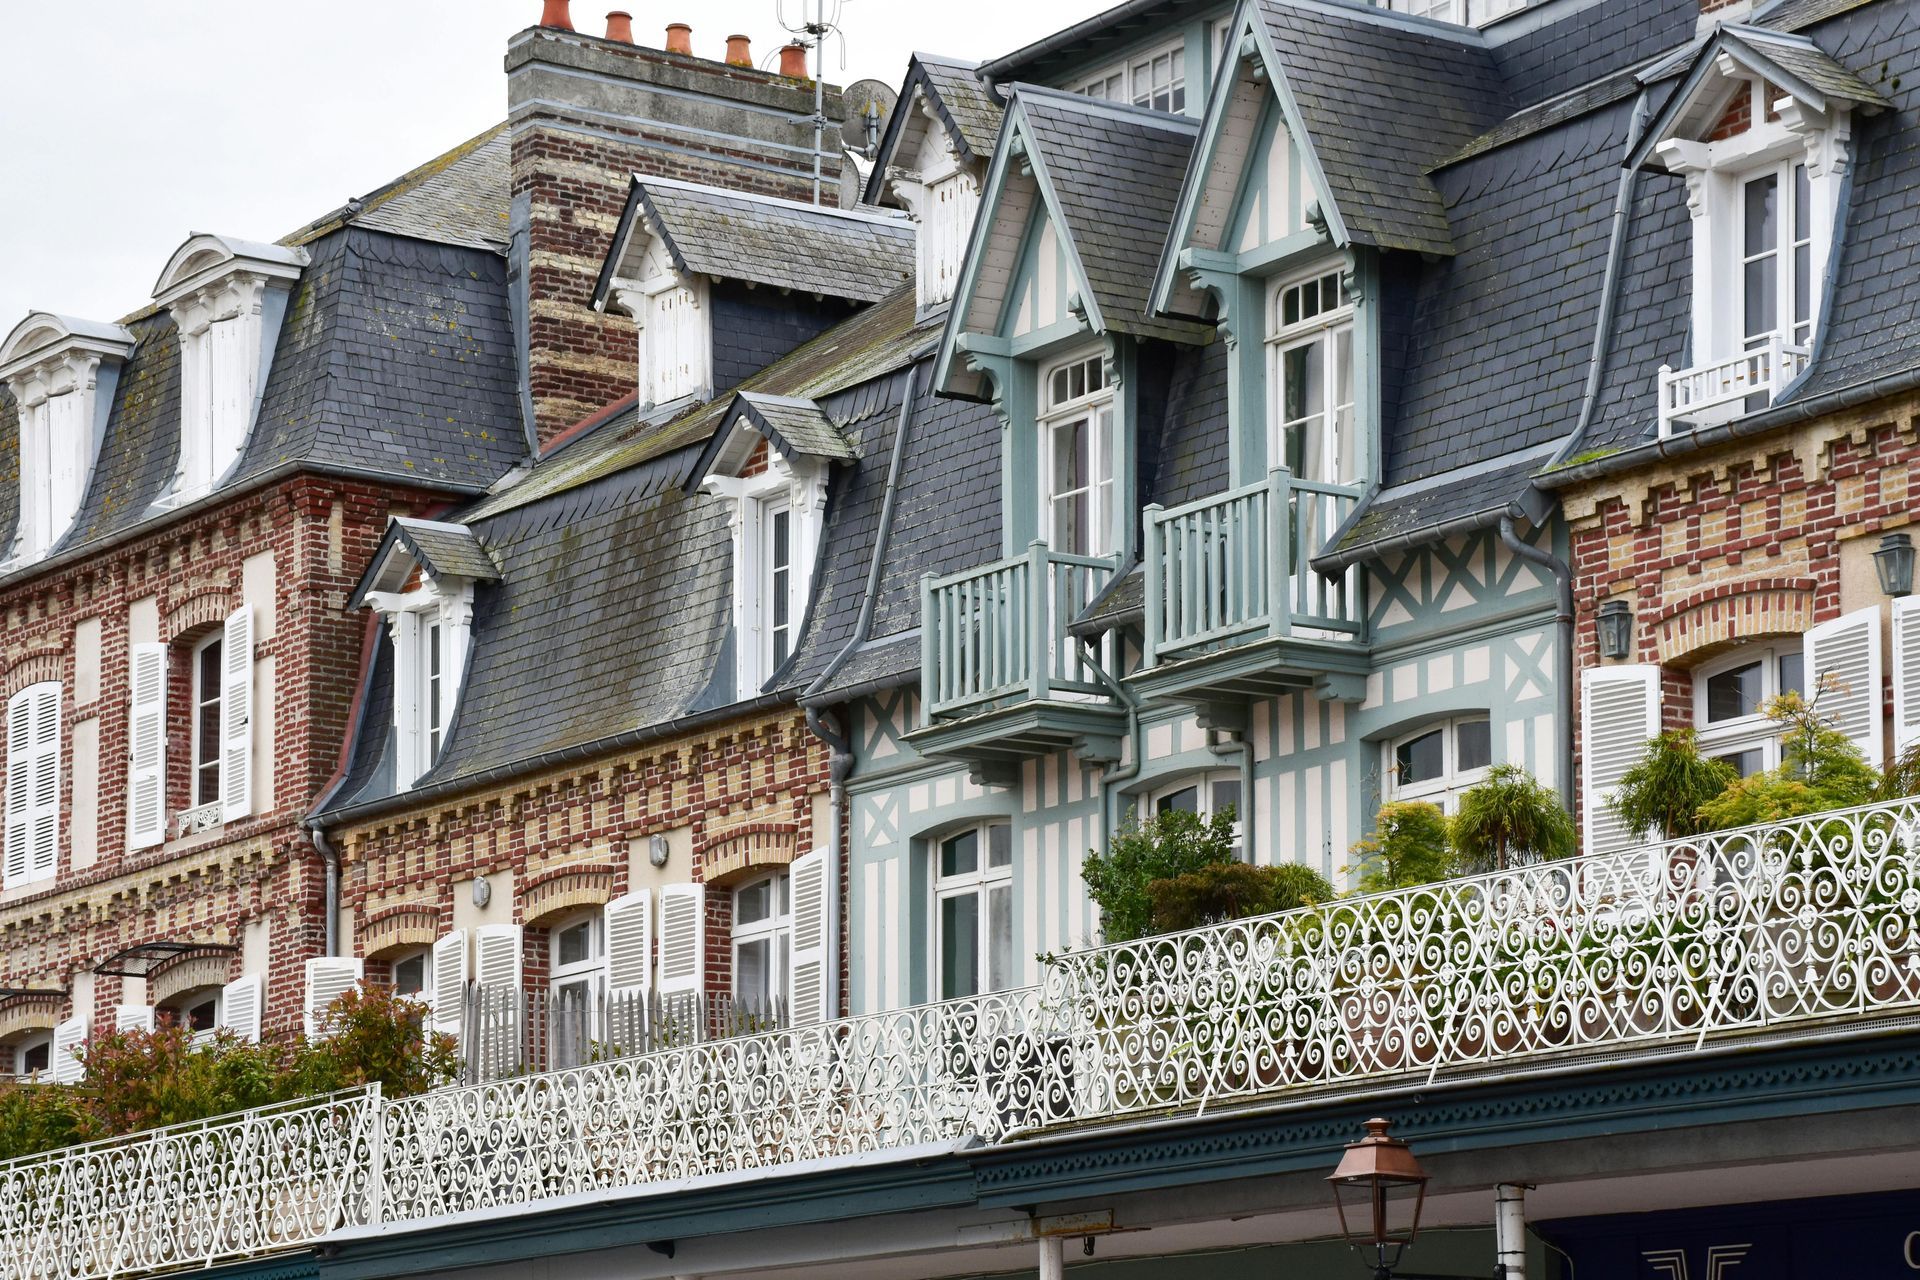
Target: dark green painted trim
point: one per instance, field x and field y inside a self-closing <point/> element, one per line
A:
<point x="280" y="1266"/>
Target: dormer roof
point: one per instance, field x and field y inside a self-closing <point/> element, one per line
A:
<point x="950" y="91"/>
<point x="43" y="334"/>
<point x="441" y="550"/>
<point x="205" y="258"/>
<point x="793" y="427"/>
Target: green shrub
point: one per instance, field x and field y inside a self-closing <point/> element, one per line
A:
<point x="1669" y="786"/>
<point x="1409" y="846"/>
<point x="1233" y="891"/>
<point x="147" y="1079"/>
<point x="376" y="1037"/>
<point x="1510" y="819"/>
<point x="1163" y="847"/>
<point x="1902" y="776"/>
<point x="1819" y="769"/>
<point x="40" y="1117"/>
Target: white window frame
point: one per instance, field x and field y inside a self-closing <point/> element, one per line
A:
<point x="1326" y="327"/>
<point x="179" y="1005"/>
<point x="25" y="1045"/>
<point x="197" y="703"/>
<point x="776" y="930"/>
<point x="1132" y="80"/>
<point x="1461" y="13"/>
<point x="1206" y="802"/>
<point x="985" y="881"/>
<point x="590" y="972"/>
<point x="800" y="488"/>
<point x="1790" y="247"/>
<point x="1752" y="732"/>
<point x="420" y="736"/>
<point x="1445" y="788"/>
<point x="1095" y="408"/>
<point x="424" y="955"/>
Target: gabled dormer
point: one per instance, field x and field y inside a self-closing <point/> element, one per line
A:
<point x="228" y="298"/>
<point x="771" y="461"/>
<point x="722" y="283"/>
<point x="62" y="373"/>
<point x="932" y="162"/>
<point x="1760" y="126"/>
<point x="421" y="584"/>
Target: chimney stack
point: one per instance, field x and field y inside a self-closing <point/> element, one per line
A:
<point x="679" y="38"/>
<point x="620" y="26"/>
<point x="554" y="14"/>
<point x="793" y="60"/>
<point x="738" y="53"/>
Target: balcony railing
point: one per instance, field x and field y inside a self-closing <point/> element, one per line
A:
<point x="999" y="633"/>
<point x="1707" y="392"/>
<point x="510" y="1031"/>
<point x="1808" y="925"/>
<point x="1225" y="570"/>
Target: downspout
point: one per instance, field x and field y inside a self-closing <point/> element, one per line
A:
<point x="1510" y="1231"/>
<point x="1563" y="620"/>
<point x="1237" y="748"/>
<point x="1111" y="779"/>
<point x="330" y="862"/>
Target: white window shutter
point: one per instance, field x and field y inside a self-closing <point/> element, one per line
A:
<point x="1619" y="715"/>
<point x="236" y="713"/>
<point x="33" y="784"/>
<point x="328" y="978"/>
<point x="63" y="1066"/>
<point x="133" y="1017"/>
<point x="497" y="973"/>
<point x="147" y="747"/>
<point x="19" y="787"/>
<point x="811" y="956"/>
<point x="1843" y="678"/>
<point x="240" y="1002"/>
<point x="450" y="983"/>
<point x="683" y="939"/>
<point x="629" y="924"/>
<point x="496" y="955"/>
<point x="1906" y="672"/>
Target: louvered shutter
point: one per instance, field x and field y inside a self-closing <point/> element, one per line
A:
<point x="810" y="960"/>
<point x="450" y="984"/>
<point x="33" y="784"/>
<point x="328" y="978"/>
<point x="133" y="1017"/>
<point x="147" y="747"/>
<point x="1619" y="715"/>
<point x="236" y="715"/>
<point x="63" y="1065"/>
<point x="1843" y="678"/>
<point x="1906" y="672"/>
<point x="240" y="1002"/>
<point x="629" y="923"/>
<point x="496" y="972"/>
<point x="683" y="938"/>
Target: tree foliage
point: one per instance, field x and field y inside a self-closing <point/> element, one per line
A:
<point x="1233" y="891"/>
<point x="1665" y="791"/>
<point x="1410" y="846"/>
<point x="1510" y="819"/>
<point x="1163" y="847"/>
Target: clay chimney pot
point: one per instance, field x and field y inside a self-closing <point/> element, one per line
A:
<point x="679" y="38"/>
<point x="793" y="60"/>
<point x="620" y="26"/>
<point x="738" y="53"/>
<point x="554" y="14"/>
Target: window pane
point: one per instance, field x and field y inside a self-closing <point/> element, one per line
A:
<point x="1802" y="219"/>
<point x="1793" y="677"/>
<point x="1226" y="795"/>
<point x="575" y="945"/>
<point x="1746" y="763"/>
<point x="780" y="539"/>
<point x="410" y="975"/>
<point x="959" y="946"/>
<point x="960" y="855"/>
<point x="1762" y="225"/>
<point x="752" y="972"/>
<point x="1185" y="800"/>
<point x="753" y="903"/>
<point x="199" y="1016"/>
<point x="1473" y="745"/>
<point x="1735" y="693"/>
<point x="36" y="1057"/>
<point x="1000" y="938"/>
<point x="1760" y="283"/>
<point x="999" y="845"/>
<point x="1421" y="759"/>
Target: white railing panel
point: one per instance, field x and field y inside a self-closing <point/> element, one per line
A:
<point x="1715" y="391"/>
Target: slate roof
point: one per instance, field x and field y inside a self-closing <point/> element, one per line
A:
<point x="445" y="549"/>
<point x="781" y="244"/>
<point x="459" y="198"/>
<point x="1360" y="86"/>
<point x="962" y="100"/>
<point x="795" y="425"/>
<point x="1115" y="171"/>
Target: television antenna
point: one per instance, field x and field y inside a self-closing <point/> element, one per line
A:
<point x="814" y="35"/>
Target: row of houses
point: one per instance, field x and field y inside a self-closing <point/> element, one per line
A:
<point x="590" y="584"/>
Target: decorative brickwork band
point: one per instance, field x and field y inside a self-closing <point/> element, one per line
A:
<point x="28" y="1013"/>
<point x="1703" y="623"/>
<point x="561" y="889"/>
<point x="751" y="847"/>
<point x="397" y="927"/>
<point x="189" y="975"/>
<point x="33" y="669"/>
<point x="200" y="610"/>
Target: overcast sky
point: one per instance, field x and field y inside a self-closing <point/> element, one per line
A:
<point x="127" y="124"/>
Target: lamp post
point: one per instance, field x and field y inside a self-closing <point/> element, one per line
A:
<point x="1385" y="1188"/>
<point x="1893" y="561"/>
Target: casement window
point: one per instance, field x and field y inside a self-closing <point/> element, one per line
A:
<point x="775" y="537"/>
<point x="1155" y="79"/>
<point x="579" y="969"/>
<point x="218" y="728"/>
<point x="762" y="938"/>
<point x="1205" y="794"/>
<point x="33" y="784"/>
<point x="973" y="910"/>
<point x="1076" y="457"/>
<point x="433" y="687"/>
<point x="776" y="582"/>
<point x="32" y="1054"/>
<point x="1437" y="763"/>
<point x="207" y="673"/>
<point x="1728" y="698"/>
<point x="204" y="1011"/>
<point x="429" y="628"/>
<point x="1776" y="257"/>
<point x="413" y="973"/>
<point x="1310" y="371"/>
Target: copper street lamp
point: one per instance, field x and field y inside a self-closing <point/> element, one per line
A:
<point x="1385" y="1188"/>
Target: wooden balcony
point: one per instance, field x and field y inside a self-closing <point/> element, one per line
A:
<point x="1722" y="390"/>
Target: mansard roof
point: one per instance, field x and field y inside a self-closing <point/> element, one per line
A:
<point x="760" y="240"/>
<point x="459" y="198"/>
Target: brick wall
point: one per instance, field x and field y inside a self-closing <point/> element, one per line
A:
<point x="259" y="870"/>
<point x="589" y="113"/>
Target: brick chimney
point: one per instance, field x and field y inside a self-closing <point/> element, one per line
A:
<point x="586" y="113"/>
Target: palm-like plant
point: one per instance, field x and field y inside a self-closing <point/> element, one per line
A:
<point x="1508" y="819"/>
<point x="1669" y="786"/>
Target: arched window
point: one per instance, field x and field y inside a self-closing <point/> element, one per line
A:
<point x="579" y="969"/>
<point x="32" y="1054"/>
<point x="1206" y="794"/>
<point x="413" y="973"/>
<point x="1438" y="762"/>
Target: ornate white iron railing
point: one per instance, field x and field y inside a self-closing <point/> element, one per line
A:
<point x="1714" y="391"/>
<point x="1790" y="923"/>
<point x="191" y="1195"/>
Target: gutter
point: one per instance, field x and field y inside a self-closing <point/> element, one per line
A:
<point x="1329" y="563"/>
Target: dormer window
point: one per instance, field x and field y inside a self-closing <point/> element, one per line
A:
<point x="1310" y="345"/>
<point x="1077" y="457"/>
<point x="62" y="374"/>
<point x="422" y="583"/>
<point x="227" y="298"/>
<point x="1764" y="151"/>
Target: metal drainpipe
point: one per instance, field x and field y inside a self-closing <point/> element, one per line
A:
<point x="330" y="860"/>
<point x="1563" y="591"/>
<point x="1236" y="747"/>
<point x="1111" y="778"/>
<point x="1510" y="1231"/>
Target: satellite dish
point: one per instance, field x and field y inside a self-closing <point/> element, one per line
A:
<point x="868" y="105"/>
